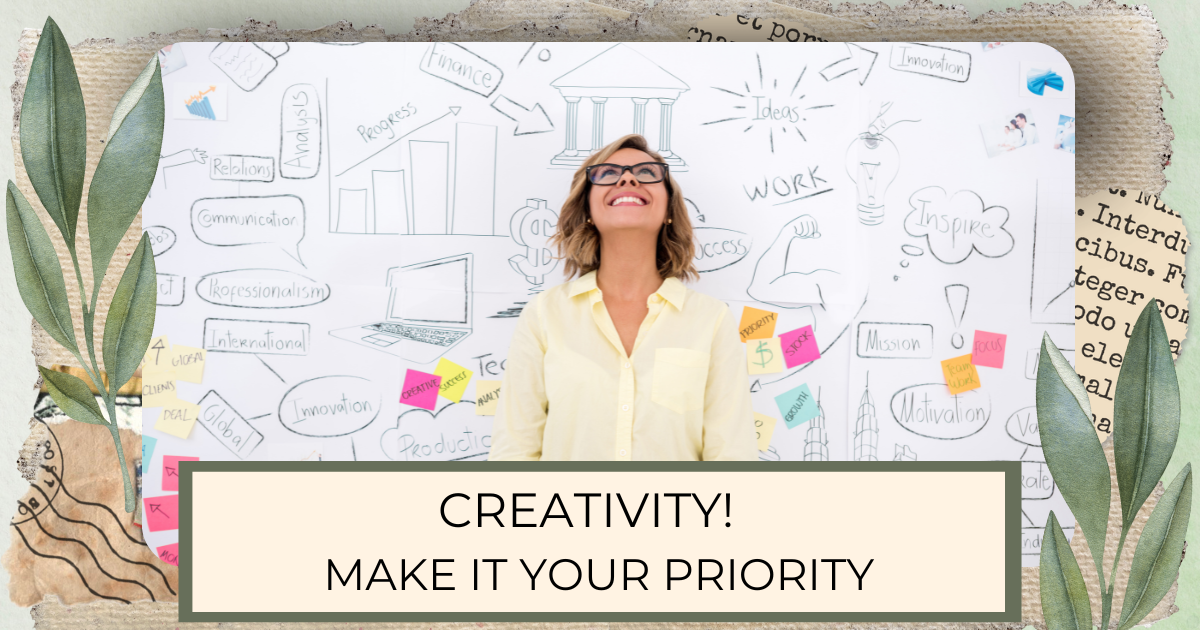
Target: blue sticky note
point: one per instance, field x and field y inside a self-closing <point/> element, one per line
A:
<point x="147" y="450"/>
<point x="797" y="406"/>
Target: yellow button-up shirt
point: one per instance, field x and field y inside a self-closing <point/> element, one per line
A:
<point x="570" y="393"/>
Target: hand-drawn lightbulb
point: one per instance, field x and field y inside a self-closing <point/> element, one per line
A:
<point x="872" y="162"/>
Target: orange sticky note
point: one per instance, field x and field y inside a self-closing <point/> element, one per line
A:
<point x="757" y="324"/>
<point x="960" y="374"/>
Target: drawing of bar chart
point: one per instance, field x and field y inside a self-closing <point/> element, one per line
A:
<point x="381" y="210"/>
<point x="430" y="160"/>
<point x="453" y="189"/>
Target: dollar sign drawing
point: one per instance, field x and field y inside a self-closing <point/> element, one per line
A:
<point x="531" y="228"/>
<point x="769" y="356"/>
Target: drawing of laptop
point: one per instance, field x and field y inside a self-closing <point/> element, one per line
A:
<point x="428" y="312"/>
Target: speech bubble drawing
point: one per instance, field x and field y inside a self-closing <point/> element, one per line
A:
<point x="931" y="411"/>
<point x="162" y="239"/>
<point x="956" y="225"/>
<point x="236" y="221"/>
<point x="330" y="406"/>
<point x="261" y="288"/>
<point x="1022" y="426"/>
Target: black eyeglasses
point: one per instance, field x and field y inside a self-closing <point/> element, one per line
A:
<point x="609" y="174"/>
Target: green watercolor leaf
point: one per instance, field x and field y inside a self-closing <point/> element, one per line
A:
<point x="126" y="168"/>
<point x="54" y="130"/>
<point x="1145" y="412"/>
<point x="1073" y="452"/>
<point x="130" y="323"/>
<point x="39" y="274"/>
<point x="1065" y="602"/>
<point x="1159" y="551"/>
<point x="1069" y="377"/>
<point x="73" y="396"/>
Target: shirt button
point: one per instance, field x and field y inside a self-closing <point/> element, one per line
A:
<point x="622" y="452"/>
<point x="626" y="366"/>
<point x="624" y="407"/>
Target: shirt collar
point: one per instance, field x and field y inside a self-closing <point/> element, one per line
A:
<point x="583" y="283"/>
<point x="672" y="290"/>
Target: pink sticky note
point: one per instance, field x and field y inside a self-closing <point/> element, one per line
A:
<point x="988" y="350"/>
<point x="170" y="473"/>
<point x="169" y="553"/>
<point x="420" y="389"/>
<point x="799" y="346"/>
<point x="162" y="513"/>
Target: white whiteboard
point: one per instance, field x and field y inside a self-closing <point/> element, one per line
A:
<point x="304" y="186"/>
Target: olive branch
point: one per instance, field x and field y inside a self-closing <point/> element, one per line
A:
<point x="53" y="130"/>
<point x="1145" y="429"/>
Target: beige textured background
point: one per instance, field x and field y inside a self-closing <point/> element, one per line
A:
<point x="1097" y="34"/>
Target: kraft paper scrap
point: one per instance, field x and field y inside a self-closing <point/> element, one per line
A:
<point x="1113" y="49"/>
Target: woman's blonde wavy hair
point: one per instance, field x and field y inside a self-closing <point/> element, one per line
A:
<point x="578" y="242"/>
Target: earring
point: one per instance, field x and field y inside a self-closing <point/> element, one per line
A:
<point x="668" y="221"/>
<point x="589" y="220"/>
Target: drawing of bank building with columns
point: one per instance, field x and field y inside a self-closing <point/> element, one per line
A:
<point x="617" y="74"/>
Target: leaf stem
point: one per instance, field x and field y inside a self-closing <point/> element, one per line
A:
<point x="111" y="403"/>
<point x="1107" y="596"/>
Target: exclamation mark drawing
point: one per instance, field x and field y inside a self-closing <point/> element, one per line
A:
<point x="956" y="298"/>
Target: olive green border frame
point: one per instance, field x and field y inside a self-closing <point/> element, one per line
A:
<point x="1012" y="540"/>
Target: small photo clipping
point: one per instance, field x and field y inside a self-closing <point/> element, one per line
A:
<point x="1064" y="134"/>
<point x="1009" y="133"/>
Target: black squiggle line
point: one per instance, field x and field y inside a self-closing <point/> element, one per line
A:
<point x="114" y="514"/>
<point x="90" y="553"/>
<point x="106" y="541"/>
<point x="85" y="582"/>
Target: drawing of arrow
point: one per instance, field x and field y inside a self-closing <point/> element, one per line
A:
<point x="155" y="508"/>
<point x="529" y="121"/>
<point x="453" y="110"/>
<point x="860" y="59"/>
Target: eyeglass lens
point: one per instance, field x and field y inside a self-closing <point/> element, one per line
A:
<point x="647" y="173"/>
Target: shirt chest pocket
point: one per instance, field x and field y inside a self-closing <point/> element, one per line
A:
<point x="680" y="375"/>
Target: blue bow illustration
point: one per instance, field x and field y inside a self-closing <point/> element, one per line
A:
<point x="1039" y="80"/>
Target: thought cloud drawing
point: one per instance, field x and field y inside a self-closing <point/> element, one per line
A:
<point x="956" y="224"/>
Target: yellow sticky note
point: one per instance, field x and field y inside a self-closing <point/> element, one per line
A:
<point x="960" y="374"/>
<point x="454" y="379"/>
<point x="764" y="426"/>
<point x="158" y="356"/>
<point x="188" y="363"/>
<point x="757" y="324"/>
<point x="764" y="356"/>
<point x="487" y="394"/>
<point x="177" y="418"/>
<point x="158" y="389"/>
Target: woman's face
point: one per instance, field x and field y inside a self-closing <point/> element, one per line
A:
<point x="628" y="204"/>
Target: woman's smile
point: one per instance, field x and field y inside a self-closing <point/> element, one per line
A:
<point x="628" y="199"/>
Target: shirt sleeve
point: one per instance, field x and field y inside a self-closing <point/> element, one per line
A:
<point x="728" y="412"/>
<point x="521" y="410"/>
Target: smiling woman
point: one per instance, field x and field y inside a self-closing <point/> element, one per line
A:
<point x="625" y="362"/>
